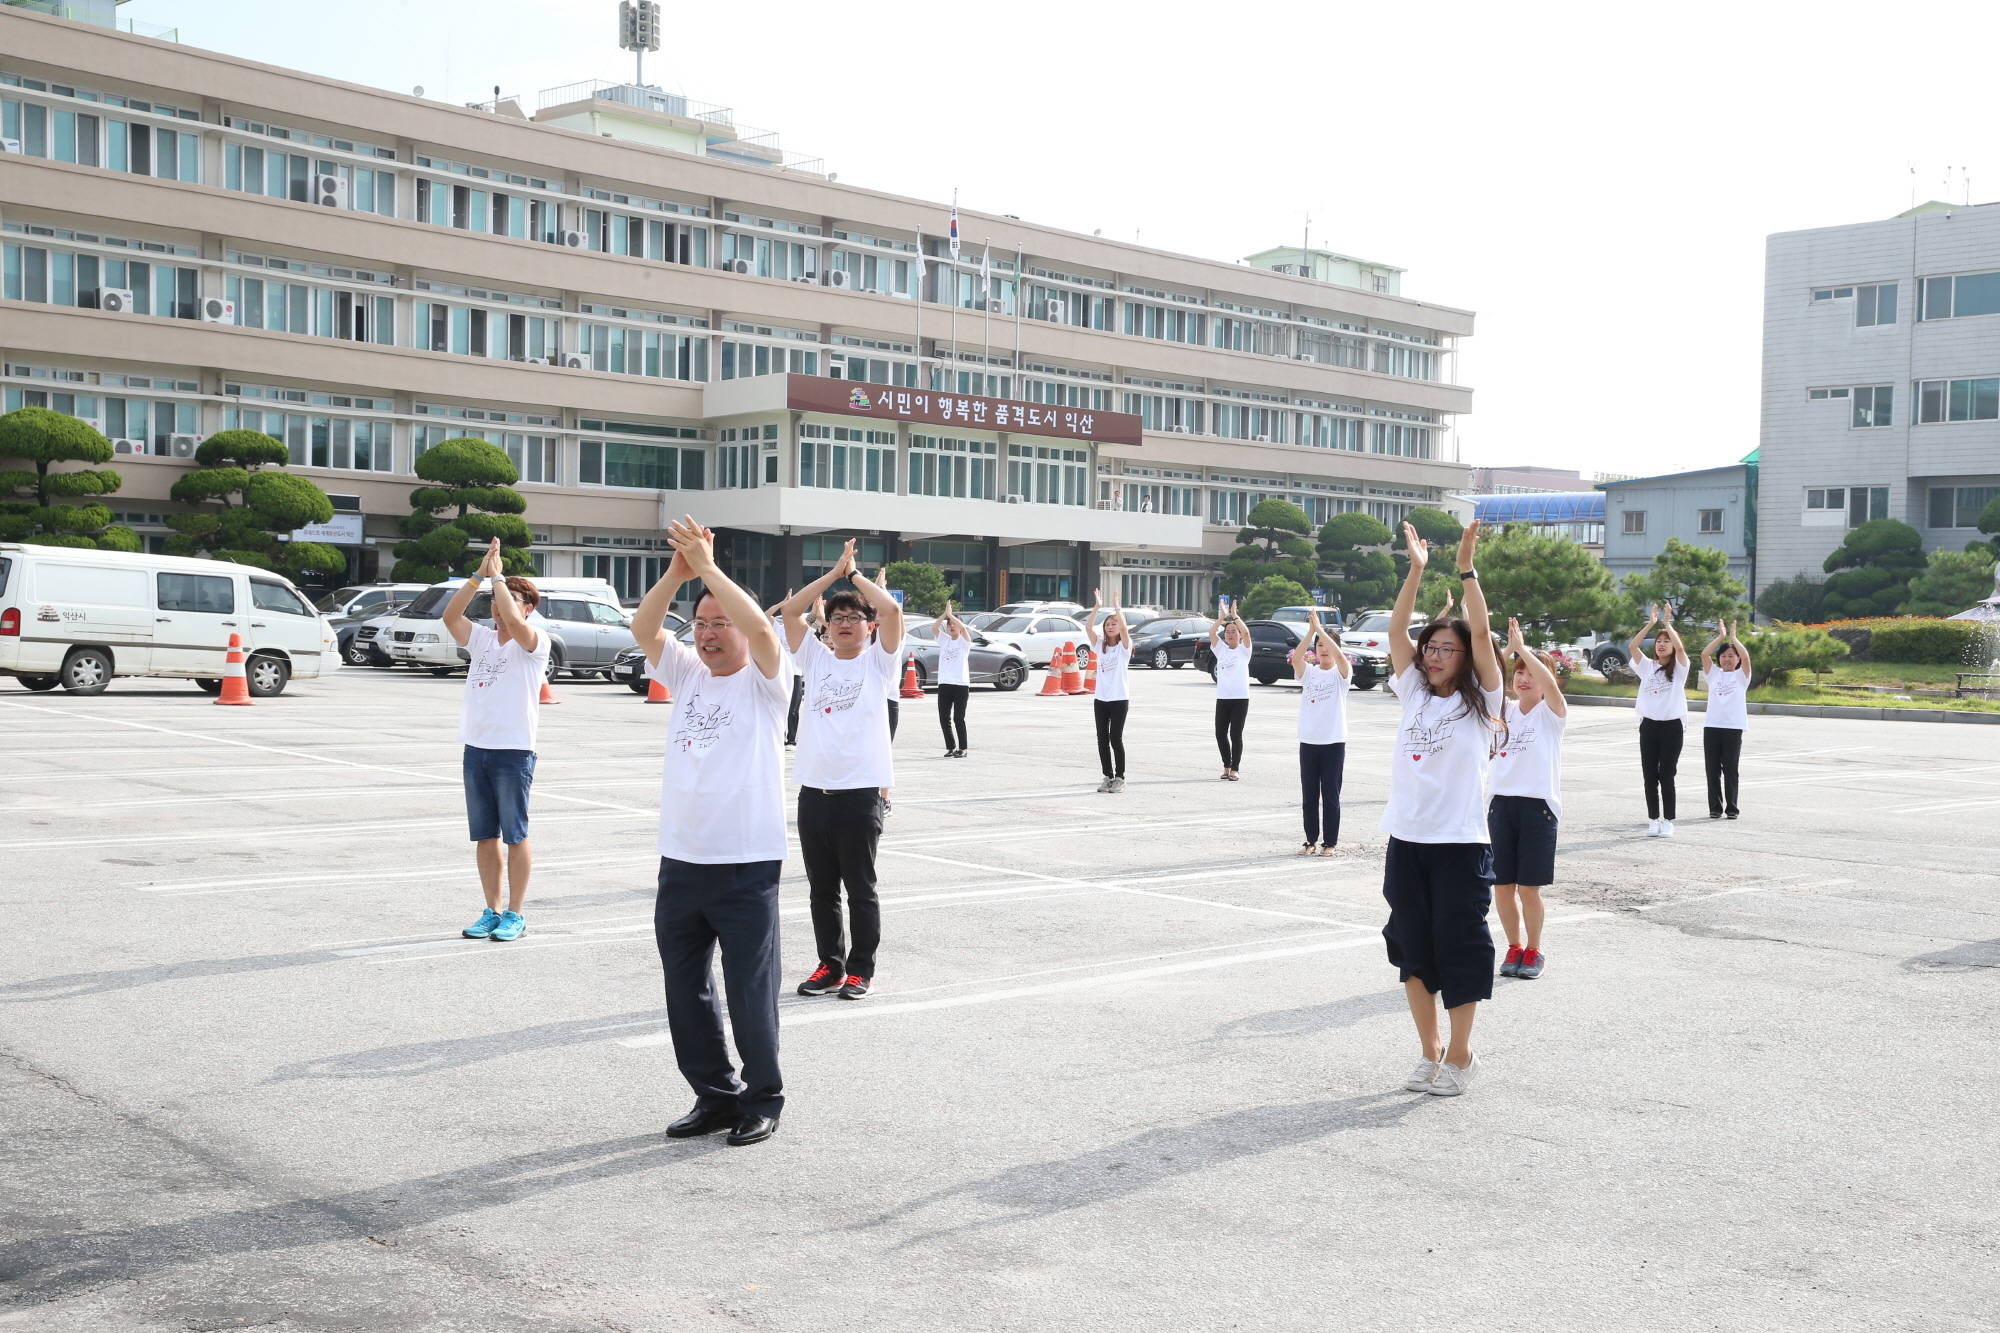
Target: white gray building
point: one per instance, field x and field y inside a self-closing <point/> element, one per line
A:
<point x="1713" y="507"/>
<point x="1881" y="393"/>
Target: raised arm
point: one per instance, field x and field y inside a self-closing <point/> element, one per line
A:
<point x="696" y="545"/>
<point x="1632" y="653"/>
<point x="649" y="620"/>
<point x="1402" y="652"/>
<point x="888" y="611"/>
<point x="1708" y="649"/>
<point x="1673" y="636"/>
<point x="1486" y="662"/>
<point x="455" y="623"/>
<point x="952" y="624"/>
<point x="1090" y="629"/>
<point x="1224" y="613"/>
<point x="1444" y="612"/>
<point x="1742" y="653"/>
<point x="1124" y="630"/>
<point x="507" y="611"/>
<point x="793" y="608"/>
<point x="1517" y="647"/>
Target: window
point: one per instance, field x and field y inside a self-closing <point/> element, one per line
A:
<point x="60" y="277"/>
<point x="277" y="597"/>
<point x="533" y="456"/>
<point x="1874" y="406"/>
<point x="655" y="467"/>
<point x="848" y="458"/>
<point x="1831" y="498"/>
<point x="1635" y="522"/>
<point x="626" y="351"/>
<point x="1875" y="305"/>
<point x="1833" y="294"/>
<point x="965" y="469"/>
<point x="1709" y="520"/>
<point x="1042" y="475"/>
<point x="1959" y="297"/>
<point x="207" y="593"/>
<point x="1958" y="400"/>
<point x="1960" y="506"/>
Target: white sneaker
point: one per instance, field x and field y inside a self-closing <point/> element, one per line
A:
<point x="1118" y="784"/>
<point x="1666" y="828"/>
<point x="1423" y="1076"/>
<point x="1652" y="828"/>
<point x="1451" y="1080"/>
<point x="1104" y="785"/>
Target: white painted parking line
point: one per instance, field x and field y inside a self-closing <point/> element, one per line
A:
<point x="300" y="832"/>
<point x="1747" y="888"/>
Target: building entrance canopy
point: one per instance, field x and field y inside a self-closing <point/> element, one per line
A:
<point x="945" y="411"/>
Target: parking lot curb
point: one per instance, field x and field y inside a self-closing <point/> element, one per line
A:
<point x="1810" y="710"/>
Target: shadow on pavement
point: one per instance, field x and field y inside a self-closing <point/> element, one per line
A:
<point x="1958" y="958"/>
<point x="1315" y="1018"/>
<point x="74" y="984"/>
<point x="1043" y="1189"/>
<point x="411" y="1059"/>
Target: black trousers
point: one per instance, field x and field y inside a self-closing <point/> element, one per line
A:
<point x="951" y="712"/>
<point x="1111" y="735"/>
<point x="698" y="907"/>
<point x="792" y="718"/>
<point x="1320" y="769"/>
<point x="1721" y="750"/>
<point x="1230" y="715"/>
<point x="1439" y="894"/>
<point x="838" y="833"/>
<point x="1659" y="759"/>
<point x="895" y="712"/>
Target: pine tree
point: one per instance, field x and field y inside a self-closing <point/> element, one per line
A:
<point x="32" y="507"/>
<point x="476" y="479"/>
<point x="254" y="509"/>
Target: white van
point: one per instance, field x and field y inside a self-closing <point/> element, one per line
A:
<point x="592" y="627"/>
<point x="76" y="618"/>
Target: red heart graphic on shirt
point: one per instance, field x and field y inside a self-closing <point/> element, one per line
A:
<point x="829" y="710"/>
<point x="1415" y="757"/>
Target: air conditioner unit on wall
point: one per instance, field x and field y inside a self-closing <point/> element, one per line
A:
<point x="1263" y="439"/>
<point x="10" y="145"/>
<point x="538" y="361"/>
<point x="128" y="446"/>
<point x="573" y="362"/>
<point x="329" y="191"/>
<point x="115" y="300"/>
<point x="215" y="310"/>
<point x="839" y="277"/>
<point x="572" y="240"/>
<point x="737" y="266"/>
<point x="183" y="446"/>
<point x="1055" y="310"/>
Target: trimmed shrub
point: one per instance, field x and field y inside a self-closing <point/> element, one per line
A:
<point x="1927" y="642"/>
<point x="924" y="587"/>
<point x="1272" y="593"/>
<point x="1774" y="653"/>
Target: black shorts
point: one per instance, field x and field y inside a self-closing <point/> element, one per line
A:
<point x="1439" y="893"/>
<point x="1523" y="829"/>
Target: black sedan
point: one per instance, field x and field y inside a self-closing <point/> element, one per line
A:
<point x="628" y="668"/>
<point x="1271" y="644"/>
<point x="1169" y="641"/>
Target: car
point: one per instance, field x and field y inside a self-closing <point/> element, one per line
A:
<point x="1369" y="631"/>
<point x="1135" y="616"/>
<point x="1038" y="637"/>
<point x="1072" y="609"/>
<point x="355" y="649"/>
<point x="1300" y="615"/>
<point x="628" y="667"/>
<point x="1271" y="644"/>
<point x="987" y="664"/>
<point x="587" y="627"/>
<point x="1170" y="641"/>
<point x="367" y="599"/>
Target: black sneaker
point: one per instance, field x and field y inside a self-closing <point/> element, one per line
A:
<point x="823" y="980"/>
<point x="855" y="987"/>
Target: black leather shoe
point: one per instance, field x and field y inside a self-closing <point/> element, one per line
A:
<point x="752" y="1129"/>
<point x="702" y="1120"/>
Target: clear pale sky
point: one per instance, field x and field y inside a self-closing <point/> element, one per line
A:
<point x="1595" y="181"/>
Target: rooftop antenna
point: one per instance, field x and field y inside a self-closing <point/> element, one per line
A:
<point x="639" y="32"/>
<point x="1305" y="249"/>
<point x="1913" y="185"/>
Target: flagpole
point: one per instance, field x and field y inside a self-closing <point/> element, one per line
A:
<point x="1020" y="300"/>
<point x="920" y="308"/>
<point x="950" y="386"/>
<point x="986" y="316"/>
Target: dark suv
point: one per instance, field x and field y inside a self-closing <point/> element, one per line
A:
<point x="1271" y="644"/>
<point x="1170" y="641"/>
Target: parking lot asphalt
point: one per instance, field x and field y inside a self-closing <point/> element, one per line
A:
<point x="1130" y="1063"/>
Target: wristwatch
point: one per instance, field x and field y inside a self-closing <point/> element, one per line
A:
<point x="1468" y="574"/>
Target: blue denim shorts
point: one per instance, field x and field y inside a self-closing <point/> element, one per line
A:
<point x="496" y="793"/>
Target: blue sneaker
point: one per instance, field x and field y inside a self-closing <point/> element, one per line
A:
<point x="483" y="927"/>
<point x="512" y="926"/>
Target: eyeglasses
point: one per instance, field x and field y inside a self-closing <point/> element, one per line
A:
<point x="847" y="620"/>
<point x="1435" y="649"/>
<point x="701" y="625"/>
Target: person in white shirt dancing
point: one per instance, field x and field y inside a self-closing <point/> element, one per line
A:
<point x="1324" y="674"/>
<point x="1663" y="710"/>
<point x="1111" y="643"/>
<point x="722" y="838"/>
<point x="496" y="725"/>
<point x="843" y="765"/>
<point x="1438" y="875"/>
<point x="954" y="679"/>
<point x="1725" y="674"/>
<point x="1526" y="807"/>
<point x="1229" y="643"/>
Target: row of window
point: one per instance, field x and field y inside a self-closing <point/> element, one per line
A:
<point x="1957" y="296"/>
<point x="1971" y="399"/>
<point x="1708" y="522"/>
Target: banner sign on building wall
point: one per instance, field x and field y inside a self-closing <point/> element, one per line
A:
<point x="924" y="407"/>
<point x="341" y="530"/>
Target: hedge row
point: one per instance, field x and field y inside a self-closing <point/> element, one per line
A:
<point x="1932" y="642"/>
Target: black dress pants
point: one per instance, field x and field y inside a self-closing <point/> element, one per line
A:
<point x="951" y="712"/>
<point x="698" y="907"/>
<point x="838" y="833"/>
<point x="1230" y="715"/>
<point x="1659" y="759"/>
<point x="792" y="718"/>
<point x="1110" y="718"/>
<point x="1320" y="770"/>
<point x="1721" y="750"/>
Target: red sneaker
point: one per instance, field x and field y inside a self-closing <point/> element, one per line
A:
<point x="855" y="988"/>
<point x="823" y="980"/>
<point x="1531" y="964"/>
<point x="1512" y="966"/>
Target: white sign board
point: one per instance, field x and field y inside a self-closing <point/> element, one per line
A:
<point x="342" y="530"/>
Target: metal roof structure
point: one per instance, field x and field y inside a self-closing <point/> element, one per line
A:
<point x="1549" y="507"/>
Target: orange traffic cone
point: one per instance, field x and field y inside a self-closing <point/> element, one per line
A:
<point x="1090" y="676"/>
<point x="911" y="689"/>
<point x="548" y="695"/>
<point x="1072" y="679"/>
<point x="657" y="692"/>
<point x="235" y="685"/>
<point x="1052" y="683"/>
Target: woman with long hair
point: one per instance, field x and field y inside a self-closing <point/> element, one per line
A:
<point x="954" y="687"/>
<point x="1526" y="808"/>
<point x="1438" y="875"/>
<point x="1663" y="710"/>
<point x="1111" y="645"/>
<point x="1725" y="674"/>
<point x="1229" y="643"/>
<point x="1324" y="673"/>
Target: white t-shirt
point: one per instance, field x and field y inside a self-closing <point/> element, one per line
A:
<point x="503" y="691"/>
<point x="1112" y="660"/>
<point x="1529" y="761"/>
<point x="1662" y="699"/>
<point x="893" y="687"/>
<point x="1437" y="786"/>
<point x="1727" y="700"/>
<point x="1232" y="671"/>
<point x="1322" y="705"/>
<point x="722" y="791"/>
<point x="844" y="718"/>
<point x="954" y="657"/>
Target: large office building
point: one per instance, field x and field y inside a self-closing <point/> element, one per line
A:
<point x="1881" y="393"/>
<point x="638" y="300"/>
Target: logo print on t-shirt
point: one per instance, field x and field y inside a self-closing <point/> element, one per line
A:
<point x="490" y="668"/>
<point x="694" y="730"/>
<point x="1422" y="739"/>
<point x="835" y="695"/>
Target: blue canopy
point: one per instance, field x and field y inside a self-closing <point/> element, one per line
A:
<point x="1553" y="507"/>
